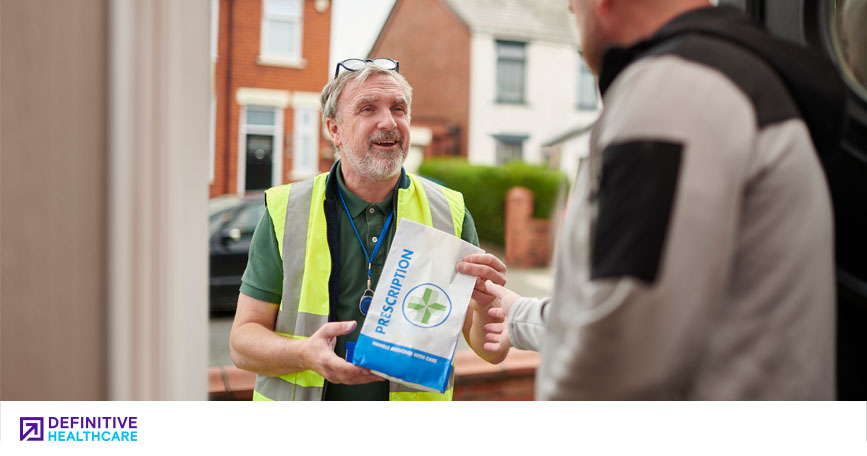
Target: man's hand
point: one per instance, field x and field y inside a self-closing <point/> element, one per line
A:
<point x="485" y="267"/>
<point x="497" y="332"/>
<point x="319" y="349"/>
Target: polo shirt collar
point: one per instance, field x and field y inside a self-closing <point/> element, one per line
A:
<point x="357" y="205"/>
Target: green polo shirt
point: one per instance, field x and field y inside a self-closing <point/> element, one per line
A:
<point x="263" y="278"/>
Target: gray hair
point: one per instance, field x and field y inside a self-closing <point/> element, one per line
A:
<point x="331" y="92"/>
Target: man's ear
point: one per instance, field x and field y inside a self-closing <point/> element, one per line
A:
<point x="602" y="8"/>
<point x="331" y="126"/>
<point x="607" y="10"/>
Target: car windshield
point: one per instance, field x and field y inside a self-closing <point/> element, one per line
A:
<point x="220" y="210"/>
<point x="247" y="218"/>
<point x="223" y="202"/>
<point x="243" y="215"/>
<point x="215" y="221"/>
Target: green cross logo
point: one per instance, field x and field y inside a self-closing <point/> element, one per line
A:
<point x="426" y="306"/>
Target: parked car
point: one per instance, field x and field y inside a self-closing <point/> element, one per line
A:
<point x="231" y="222"/>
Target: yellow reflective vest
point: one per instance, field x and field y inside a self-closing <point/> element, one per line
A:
<point x="304" y="216"/>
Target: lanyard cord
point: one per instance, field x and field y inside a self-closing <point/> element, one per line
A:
<point x="358" y="236"/>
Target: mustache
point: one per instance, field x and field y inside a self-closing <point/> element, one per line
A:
<point x="393" y="135"/>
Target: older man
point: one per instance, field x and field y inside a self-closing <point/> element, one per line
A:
<point x="318" y="251"/>
<point x="696" y="260"/>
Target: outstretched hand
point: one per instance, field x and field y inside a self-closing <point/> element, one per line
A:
<point x="497" y="332"/>
<point x="323" y="360"/>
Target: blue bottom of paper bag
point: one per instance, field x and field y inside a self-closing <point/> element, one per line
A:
<point x="410" y="365"/>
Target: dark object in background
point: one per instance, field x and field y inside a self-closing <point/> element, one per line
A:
<point x="823" y="25"/>
<point x="231" y="222"/>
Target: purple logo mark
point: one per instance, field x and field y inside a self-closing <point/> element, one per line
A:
<point x="31" y="428"/>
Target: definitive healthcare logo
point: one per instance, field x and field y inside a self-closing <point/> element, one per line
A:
<point x="79" y="429"/>
<point x="427" y="305"/>
<point x="31" y="428"/>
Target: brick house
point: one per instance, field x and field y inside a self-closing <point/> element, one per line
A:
<point x="269" y="61"/>
<point x="501" y="78"/>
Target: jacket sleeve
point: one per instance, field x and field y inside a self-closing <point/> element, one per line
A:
<point x="526" y="323"/>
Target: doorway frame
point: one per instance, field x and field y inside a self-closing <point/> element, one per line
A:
<point x="264" y="98"/>
<point x="158" y="124"/>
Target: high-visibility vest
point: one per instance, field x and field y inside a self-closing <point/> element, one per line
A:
<point x="301" y="225"/>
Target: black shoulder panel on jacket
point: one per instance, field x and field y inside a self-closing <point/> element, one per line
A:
<point x="758" y="81"/>
<point x="714" y="35"/>
<point x="635" y="197"/>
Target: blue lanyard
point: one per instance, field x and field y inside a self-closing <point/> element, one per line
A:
<point x="378" y="240"/>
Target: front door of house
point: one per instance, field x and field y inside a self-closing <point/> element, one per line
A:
<point x="260" y="162"/>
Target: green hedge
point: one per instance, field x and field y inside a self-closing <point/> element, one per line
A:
<point x="485" y="187"/>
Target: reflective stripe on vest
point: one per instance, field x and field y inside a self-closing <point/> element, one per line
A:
<point x="297" y="213"/>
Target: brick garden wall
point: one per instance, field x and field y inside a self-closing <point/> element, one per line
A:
<point x="475" y="379"/>
<point x="528" y="240"/>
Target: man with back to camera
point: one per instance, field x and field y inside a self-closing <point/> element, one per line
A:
<point x="696" y="259"/>
<point x="320" y="247"/>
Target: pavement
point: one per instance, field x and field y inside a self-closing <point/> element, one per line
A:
<point x="536" y="282"/>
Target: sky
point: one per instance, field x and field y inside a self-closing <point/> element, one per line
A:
<point x="355" y="25"/>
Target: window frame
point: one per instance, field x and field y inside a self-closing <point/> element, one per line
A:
<point x="500" y="140"/>
<point x="498" y="93"/>
<point x="268" y="56"/>
<point x="298" y="133"/>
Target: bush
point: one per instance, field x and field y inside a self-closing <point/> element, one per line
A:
<point x="485" y="187"/>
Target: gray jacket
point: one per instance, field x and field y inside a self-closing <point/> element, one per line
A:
<point x="696" y="257"/>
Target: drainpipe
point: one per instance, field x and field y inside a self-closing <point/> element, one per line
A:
<point x="228" y="103"/>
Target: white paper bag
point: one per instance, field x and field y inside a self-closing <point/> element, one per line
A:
<point x="418" y="309"/>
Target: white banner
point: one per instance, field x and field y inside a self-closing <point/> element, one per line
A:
<point x="526" y="428"/>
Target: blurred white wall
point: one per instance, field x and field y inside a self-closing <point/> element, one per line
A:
<point x="159" y="74"/>
<point x="551" y="72"/>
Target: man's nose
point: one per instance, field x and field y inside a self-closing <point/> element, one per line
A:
<point x="386" y="121"/>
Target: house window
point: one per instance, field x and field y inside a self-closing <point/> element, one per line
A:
<point x="587" y="95"/>
<point x="305" y="156"/>
<point x="509" y="148"/>
<point x="281" y="31"/>
<point x="260" y="116"/>
<point x="511" y="58"/>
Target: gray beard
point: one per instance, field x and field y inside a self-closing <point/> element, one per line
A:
<point x="374" y="166"/>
